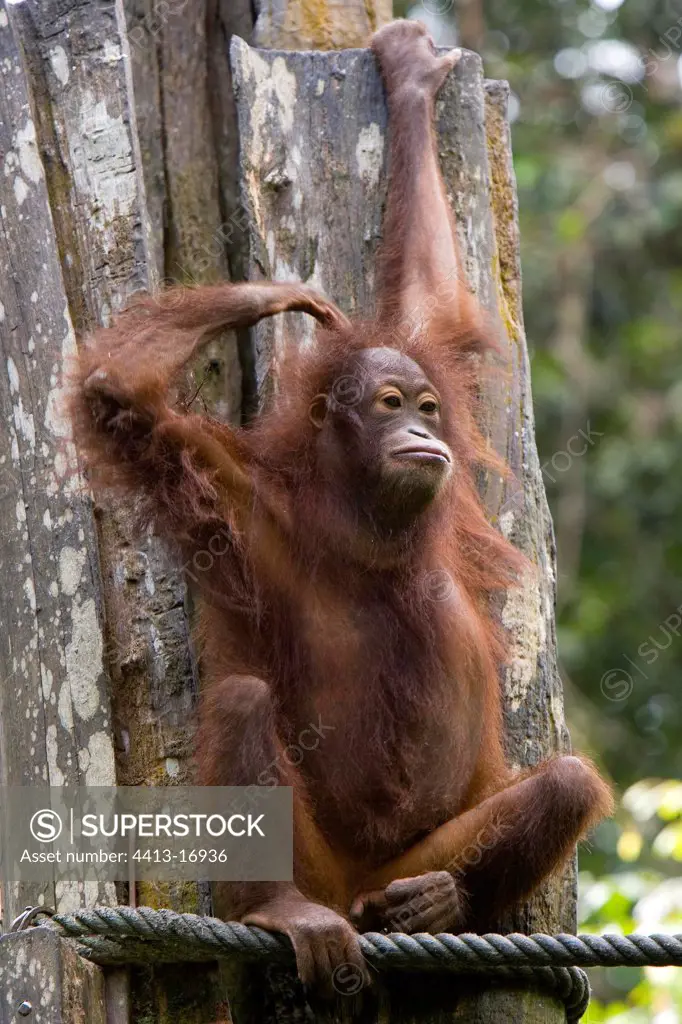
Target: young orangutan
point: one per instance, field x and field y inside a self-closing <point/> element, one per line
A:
<point x="341" y="507"/>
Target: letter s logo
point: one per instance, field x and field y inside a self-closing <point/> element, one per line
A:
<point x="46" y="826"/>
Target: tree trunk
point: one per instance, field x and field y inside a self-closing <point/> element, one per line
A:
<point x="85" y="603"/>
<point x="313" y="149"/>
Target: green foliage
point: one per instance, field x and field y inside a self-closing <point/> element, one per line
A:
<point x="642" y="894"/>
<point x="598" y="150"/>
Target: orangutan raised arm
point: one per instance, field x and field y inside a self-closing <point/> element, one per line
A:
<point x="419" y="254"/>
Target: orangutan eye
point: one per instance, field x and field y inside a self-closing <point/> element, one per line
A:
<point x="428" y="406"/>
<point x="392" y="401"/>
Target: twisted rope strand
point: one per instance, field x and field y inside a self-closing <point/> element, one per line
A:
<point x="165" y="930"/>
<point x="116" y="935"/>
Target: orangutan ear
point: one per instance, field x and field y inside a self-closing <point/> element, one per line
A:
<point x="317" y="412"/>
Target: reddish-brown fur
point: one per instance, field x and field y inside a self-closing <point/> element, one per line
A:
<point x="381" y="650"/>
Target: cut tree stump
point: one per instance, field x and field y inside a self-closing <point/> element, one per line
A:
<point x="97" y="678"/>
<point x="313" y="133"/>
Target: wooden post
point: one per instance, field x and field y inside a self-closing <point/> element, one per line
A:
<point x="55" y="709"/>
<point x="169" y="50"/>
<point x="97" y="680"/>
<point x="313" y="129"/>
<point x="44" y="981"/>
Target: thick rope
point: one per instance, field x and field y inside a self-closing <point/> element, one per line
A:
<point x="107" y="934"/>
<point x="115" y="935"/>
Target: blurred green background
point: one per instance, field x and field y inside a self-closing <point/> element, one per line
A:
<point x="597" y="128"/>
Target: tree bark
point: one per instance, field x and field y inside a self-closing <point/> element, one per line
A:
<point x="55" y="708"/>
<point x="318" y="24"/>
<point x="104" y="605"/>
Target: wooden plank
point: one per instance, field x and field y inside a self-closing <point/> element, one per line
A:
<point x="319" y="220"/>
<point x="144" y="26"/>
<point x="44" y="981"/>
<point x="169" y="56"/>
<point x="197" y="229"/>
<point x="117" y="995"/>
<point x="226" y="18"/>
<point x="55" y="713"/>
